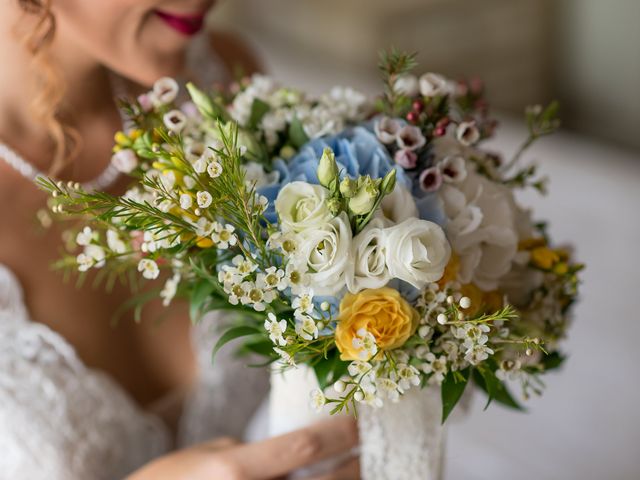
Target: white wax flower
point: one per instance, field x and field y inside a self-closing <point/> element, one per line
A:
<point x="407" y="85"/>
<point x="124" y="160"/>
<point x="326" y="251"/>
<point x="433" y="84"/>
<point x="418" y="252"/>
<point x="255" y="173"/>
<point x="368" y="268"/>
<point x="481" y="226"/>
<point x="301" y="206"/>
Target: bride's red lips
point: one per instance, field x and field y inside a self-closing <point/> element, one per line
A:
<point x="185" y="24"/>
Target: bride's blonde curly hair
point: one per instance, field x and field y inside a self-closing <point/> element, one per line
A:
<point x="47" y="102"/>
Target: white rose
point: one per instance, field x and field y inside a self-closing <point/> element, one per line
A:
<point x="417" y="252"/>
<point x="399" y="205"/>
<point x="301" y="206"/>
<point x="368" y="268"/>
<point x="482" y="228"/>
<point x="124" y="160"/>
<point x="326" y="251"/>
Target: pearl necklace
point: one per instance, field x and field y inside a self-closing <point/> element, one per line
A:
<point x="102" y="182"/>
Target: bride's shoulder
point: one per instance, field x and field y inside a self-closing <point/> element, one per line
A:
<point x="234" y="52"/>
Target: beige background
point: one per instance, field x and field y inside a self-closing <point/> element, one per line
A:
<point x="586" y="53"/>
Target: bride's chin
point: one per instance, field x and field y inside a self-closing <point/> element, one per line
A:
<point x="146" y="73"/>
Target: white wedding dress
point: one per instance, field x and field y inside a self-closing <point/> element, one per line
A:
<point x="60" y="420"/>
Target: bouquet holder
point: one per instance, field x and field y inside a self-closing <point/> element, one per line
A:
<point x="399" y="441"/>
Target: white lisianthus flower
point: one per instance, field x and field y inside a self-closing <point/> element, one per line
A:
<point x="482" y="228"/>
<point x="301" y="206"/>
<point x="418" y="252"/>
<point x="148" y="268"/>
<point x="326" y="251"/>
<point x="399" y="205"/>
<point x="124" y="160"/>
<point x="368" y="268"/>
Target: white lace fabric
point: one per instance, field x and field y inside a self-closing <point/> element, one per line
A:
<point x="60" y="420"/>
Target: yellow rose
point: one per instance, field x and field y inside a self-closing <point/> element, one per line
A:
<point x="381" y="312"/>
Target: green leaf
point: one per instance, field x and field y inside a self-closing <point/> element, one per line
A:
<point x="297" y="135"/>
<point x="486" y="379"/>
<point x="261" y="347"/>
<point x="552" y="361"/>
<point x="452" y="389"/>
<point x="232" y="334"/>
<point x="201" y="292"/>
<point x="329" y="370"/>
<point x="258" y="110"/>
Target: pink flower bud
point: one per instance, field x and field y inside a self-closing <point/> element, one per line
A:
<point x="406" y="159"/>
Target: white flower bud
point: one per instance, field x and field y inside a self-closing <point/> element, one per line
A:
<point x="186" y="201"/>
<point x="327" y="168"/>
<point x="465" y="302"/>
<point x="442" y="319"/>
<point x="339" y="386"/>
<point x="358" y="396"/>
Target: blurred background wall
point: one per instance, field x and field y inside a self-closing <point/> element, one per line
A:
<point x="586" y="53"/>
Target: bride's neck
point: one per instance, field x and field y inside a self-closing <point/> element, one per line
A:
<point x="87" y="92"/>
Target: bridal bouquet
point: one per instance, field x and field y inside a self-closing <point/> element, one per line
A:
<point x="372" y="240"/>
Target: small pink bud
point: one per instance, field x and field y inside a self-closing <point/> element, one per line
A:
<point x="406" y="159"/>
<point x="413" y="117"/>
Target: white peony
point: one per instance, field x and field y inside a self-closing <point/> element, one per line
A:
<point x="368" y="268"/>
<point x="301" y="206"/>
<point x="326" y="251"/>
<point x="417" y="251"/>
<point x="482" y="228"/>
<point x="399" y="205"/>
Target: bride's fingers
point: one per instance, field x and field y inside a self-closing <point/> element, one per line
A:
<point x="278" y="456"/>
<point x="348" y="471"/>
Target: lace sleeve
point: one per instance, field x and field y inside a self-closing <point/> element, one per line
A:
<point x="59" y="420"/>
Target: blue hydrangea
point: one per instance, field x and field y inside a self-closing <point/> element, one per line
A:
<point x="357" y="151"/>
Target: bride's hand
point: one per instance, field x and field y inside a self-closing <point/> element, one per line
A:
<point x="269" y="459"/>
